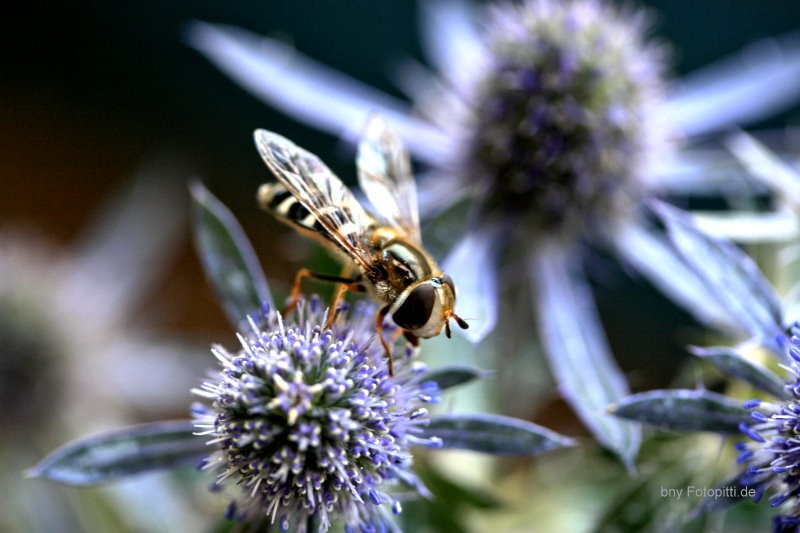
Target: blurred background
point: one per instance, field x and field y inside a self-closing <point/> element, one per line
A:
<point x="92" y="90"/>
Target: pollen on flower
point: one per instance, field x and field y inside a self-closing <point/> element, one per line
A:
<point x="563" y="121"/>
<point x="310" y="424"/>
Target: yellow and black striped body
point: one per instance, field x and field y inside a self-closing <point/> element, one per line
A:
<point x="275" y="198"/>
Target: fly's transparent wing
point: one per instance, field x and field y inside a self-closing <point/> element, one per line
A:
<point x="318" y="190"/>
<point x="384" y="174"/>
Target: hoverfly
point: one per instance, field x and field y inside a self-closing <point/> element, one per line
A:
<point x="383" y="249"/>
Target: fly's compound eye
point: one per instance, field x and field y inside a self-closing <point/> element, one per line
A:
<point x="417" y="308"/>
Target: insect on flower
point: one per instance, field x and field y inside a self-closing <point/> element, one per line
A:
<point x="384" y="252"/>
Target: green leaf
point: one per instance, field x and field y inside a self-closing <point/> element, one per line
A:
<point x="684" y="410"/>
<point x="452" y="493"/>
<point x="498" y="435"/>
<point x="227" y="256"/>
<point x="732" y="277"/>
<point x="123" y="452"/>
<point x="734" y="364"/>
<point x="451" y="507"/>
<point x="453" y="375"/>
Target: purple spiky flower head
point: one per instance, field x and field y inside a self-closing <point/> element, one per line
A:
<point x="308" y="422"/>
<point x="772" y="454"/>
<point x="562" y="122"/>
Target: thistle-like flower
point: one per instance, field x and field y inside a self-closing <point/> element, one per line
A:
<point x="62" y="312"/>
<point x="772" y="454"/>
<point x="563" y="121"/>
<point x="71" y="344"/>
<point x="554" y="122"/>
<point x="310" y="424"/>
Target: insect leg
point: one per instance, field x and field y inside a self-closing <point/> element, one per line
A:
<point x="353" y="284"/>
<point x="379" y="327"/>
<point x="340" y="290"/>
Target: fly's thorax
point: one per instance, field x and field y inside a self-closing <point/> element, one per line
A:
<point x="420" y="296"/>
<point x="401" y="262"/>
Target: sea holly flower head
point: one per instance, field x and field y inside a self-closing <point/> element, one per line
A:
<point x="563" y="120"/>
<point x="310" y="423"/>
<point x="772" y="452"/>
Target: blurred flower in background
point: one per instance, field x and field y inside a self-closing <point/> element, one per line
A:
<point x="75" y="357"/>
<point x="551" y="122"/>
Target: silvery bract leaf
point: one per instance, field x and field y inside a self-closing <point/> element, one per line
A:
<point x="130" y="242"/>
<point x="308" y="91"/>
<point x="653" y="255"/>
<point x="121" y="453"/>
<point x="227" y="256"/>
<point x="447" y="377"/>
<point x="766" y="166"/>
<point x="452" y="40"/>
<point x="473" y="266"/>
<point x="734" y="364"/>
<point x="732" y="277"/>
<point x="683" y="410"/>
<point x="699" y="171"/>
<point x="779" y="226"/>
<point x="495" y="434"/>
<point x="577" y="349"/>
<point x="740" y="89"/>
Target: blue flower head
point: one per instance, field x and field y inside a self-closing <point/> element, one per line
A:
<point x="772" y="454"/>
<point x="309" y="423"/>
<point x="563" y="120"/>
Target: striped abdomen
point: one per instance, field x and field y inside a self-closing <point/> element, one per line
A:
<point x="274" y="197"/>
